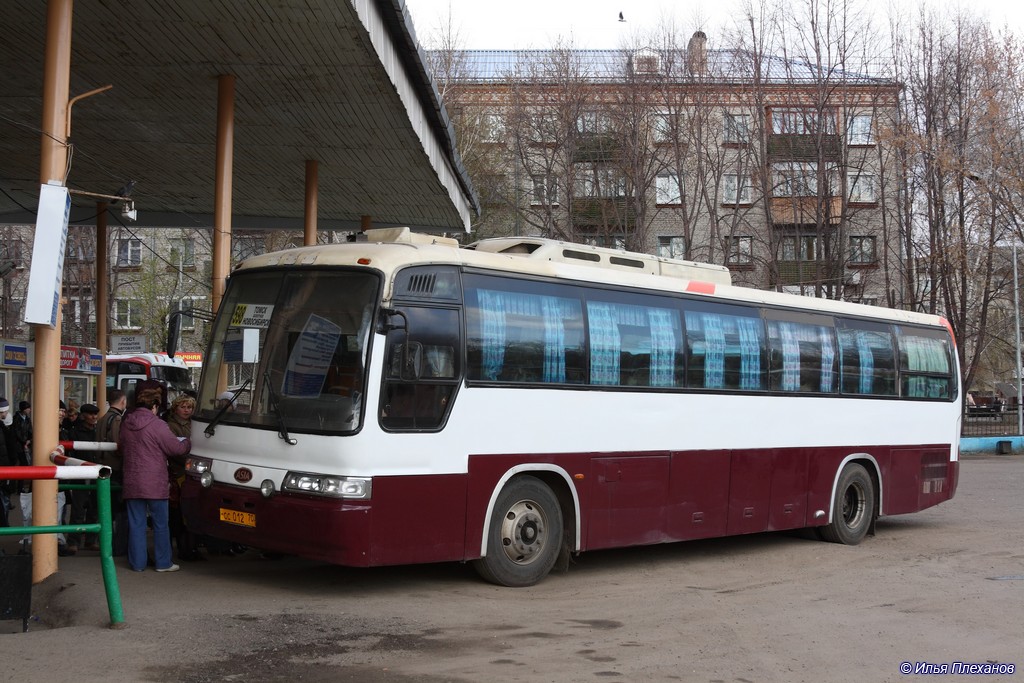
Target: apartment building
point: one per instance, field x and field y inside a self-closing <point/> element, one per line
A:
<point x="776" y="168"/>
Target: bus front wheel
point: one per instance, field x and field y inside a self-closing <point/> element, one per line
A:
<point x="854" y="507"/>
<point x="525" y="534"/>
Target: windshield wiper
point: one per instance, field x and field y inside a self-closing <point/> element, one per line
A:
<point x="283" y="432"/>
<point x="230" y="404"/>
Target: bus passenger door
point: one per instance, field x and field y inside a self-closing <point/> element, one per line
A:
<point x="629" y="501"/>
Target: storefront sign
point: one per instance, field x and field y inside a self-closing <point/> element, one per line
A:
<point x="79" y="358"/>
<point x="16" y="355"/>
<point x="129" y="343"/>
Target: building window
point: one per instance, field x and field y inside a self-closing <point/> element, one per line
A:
<point x="859" y="131"/>
<point x="186" y="306"/>
<point x="862" y="187"/>
<point x="129" y="253"/>
<point x="11" y="249"/>
<point x="597" y="182"/>
<point x="664" y="130"/>
<point x="246" y="246"/>
<point x="80" y="249"/>
<point x="798" y="247"/>
<point x="737" y="128"/>
<point x="800" y="122"/>
<point x="735" y="189"/>
<point x="672" y="246"/>
<point x="612" y="241"/>
<point x="668" y="189"/>
<point x="741" y="251"/>
<point x="127" y="314"/>
<point x="862" y="250"/>
<point x="183" y="253"/>
<point x="545" y="190"/>
<point x="79" y="311"/>
<point x="492" y="127"/>
<point x="796" y="179"/>
<point x="592" y="122"/>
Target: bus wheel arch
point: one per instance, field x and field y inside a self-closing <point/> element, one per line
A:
<point x="528" y="531"/>
<point x="855" y="502"/>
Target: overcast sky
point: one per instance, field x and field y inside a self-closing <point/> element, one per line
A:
<point x="491" y="24"/>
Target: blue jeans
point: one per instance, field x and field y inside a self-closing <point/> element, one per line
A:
<point x="137" y="554"/>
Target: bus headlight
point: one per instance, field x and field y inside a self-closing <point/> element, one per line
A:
<point x="327" y="485"/>
<point x="206" y="479"/>
<point x="197" y="465"/>
<point x="267" y="488"/>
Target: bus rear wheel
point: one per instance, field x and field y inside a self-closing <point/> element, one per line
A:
<point x="525" y="535"/>
<point x="854" y="507"/>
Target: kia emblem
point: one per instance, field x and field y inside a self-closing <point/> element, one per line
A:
<point x="243" y="475"/>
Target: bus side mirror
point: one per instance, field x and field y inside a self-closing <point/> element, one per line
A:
<point x="173" y="333"/>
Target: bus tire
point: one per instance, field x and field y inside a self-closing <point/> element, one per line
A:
<point x="853" y="510"/>
<point x="525" y="535"/>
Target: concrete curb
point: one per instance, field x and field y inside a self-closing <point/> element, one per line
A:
<point x="991" y="444"/>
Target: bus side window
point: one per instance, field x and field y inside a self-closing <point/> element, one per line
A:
<point x="422" y="372"/>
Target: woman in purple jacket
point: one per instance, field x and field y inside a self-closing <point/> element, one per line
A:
<point x="147" y="443"/>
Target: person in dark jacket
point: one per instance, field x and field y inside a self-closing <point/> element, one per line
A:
<point x="83" y="503"/>
<point x="147" y="443"/>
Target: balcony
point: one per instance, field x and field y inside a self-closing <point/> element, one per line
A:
<point x="589" y="211"/>
<point x="806" y="273"/>
<point x="596" y="148"/>
<point x="804" y="210"/>
<point x="803" y="147"/>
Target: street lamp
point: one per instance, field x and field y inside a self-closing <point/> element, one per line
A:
<point x="1016" y="326"/>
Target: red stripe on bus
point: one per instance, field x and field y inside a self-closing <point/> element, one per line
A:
<point x="700" y="287"/>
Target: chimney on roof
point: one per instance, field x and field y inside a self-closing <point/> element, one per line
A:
<point x="697" y="54"/>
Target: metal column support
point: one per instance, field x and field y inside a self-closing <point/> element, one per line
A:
<point x="222" y="192"/>
<point x="312" y="196"/>
<point x="101" y="301"/>
<point x="46" y="374"/>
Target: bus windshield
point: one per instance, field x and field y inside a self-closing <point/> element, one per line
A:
<point x="291" y="347"/>
<point x="177" y="379"/>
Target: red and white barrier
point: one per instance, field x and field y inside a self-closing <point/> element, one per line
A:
<point x="88" y="445"/>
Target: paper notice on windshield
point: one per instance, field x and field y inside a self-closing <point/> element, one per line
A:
<point x="252" y="315"/>
<point x="310" y="358"/>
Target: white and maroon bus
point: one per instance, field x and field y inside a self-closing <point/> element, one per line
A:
<point x="404" y="400"/>
<point x="124" y="371"/>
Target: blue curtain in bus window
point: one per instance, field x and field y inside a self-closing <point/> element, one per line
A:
<point x="664" y="346"/>
<point x="725" y="351"/>
<point x="803" y="357"/>
<point x="605" y="343"/>
<point x="925" y="364"/>
<point x="867" y="361"/>
<point x="869" y="364"/>
<point x="790" y="356"/>
<point x="554" y="338"/>
<point x="522" y="337"/>
<point x="492" y="333"/>
<point x="828" y="359"/>
<point x="750" y="332"/>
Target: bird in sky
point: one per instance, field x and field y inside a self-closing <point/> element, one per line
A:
<point x="621" y="18"/>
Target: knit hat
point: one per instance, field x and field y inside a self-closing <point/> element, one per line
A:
<point x="62" y="406"/>
<point x="24" y="405"/>
<point x="4" y="405"/>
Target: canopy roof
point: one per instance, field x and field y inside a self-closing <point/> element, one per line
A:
<point x="327" y="80"/>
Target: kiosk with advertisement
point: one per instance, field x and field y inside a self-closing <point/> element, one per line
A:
<point x="79" y="369"/>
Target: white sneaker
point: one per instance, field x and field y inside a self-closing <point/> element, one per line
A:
<point x="172" y="568"/>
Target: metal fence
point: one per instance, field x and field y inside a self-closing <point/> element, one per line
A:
<point x="990" y="423"/>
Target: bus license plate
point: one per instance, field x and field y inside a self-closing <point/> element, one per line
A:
<point x="237" y="517"/>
